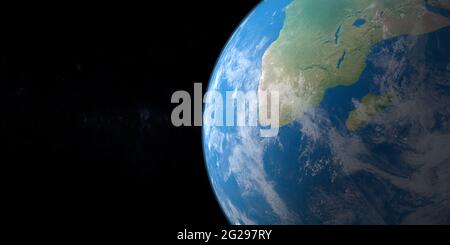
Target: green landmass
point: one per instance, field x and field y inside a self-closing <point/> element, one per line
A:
<point x="369" y="107"/>
<point x="319" y="48"/>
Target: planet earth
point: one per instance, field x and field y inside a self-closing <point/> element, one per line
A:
<point x="364" y="134"/>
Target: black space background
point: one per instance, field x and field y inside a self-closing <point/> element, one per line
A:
<point x="89" y="142"/>
<point x="88" y="91"/>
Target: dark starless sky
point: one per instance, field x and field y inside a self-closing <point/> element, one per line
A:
<point x="88" y="91"/>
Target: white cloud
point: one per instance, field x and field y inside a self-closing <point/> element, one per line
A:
<point x="241" y="68"/>
<point x="247" y="167"/>
<point x="238" y="217"/>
